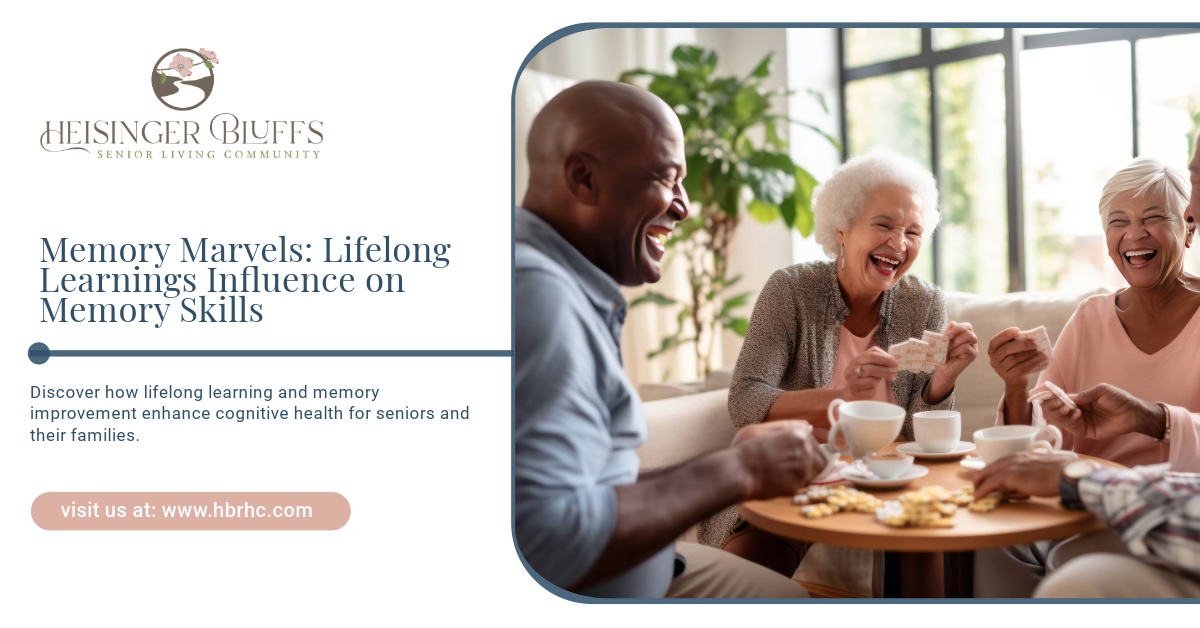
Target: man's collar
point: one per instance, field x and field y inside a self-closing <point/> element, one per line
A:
<point x="603" y="291"/>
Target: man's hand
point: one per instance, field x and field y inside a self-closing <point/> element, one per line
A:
<point x="1107" y="411"/>
<point x="780" y="457"/>
<point x="1023" y="474"/>
<point x="1013" y="358"/>
<point x="865" y="371"/>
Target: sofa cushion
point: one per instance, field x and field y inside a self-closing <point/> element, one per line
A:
<point x="979" y="388"/>
<point x="682" y="428"/>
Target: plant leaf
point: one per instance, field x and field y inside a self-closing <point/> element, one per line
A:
<point x="732" y="303"/>
<point x="208" y="64"/>
<point x="720" y="177"/>
<point x="763" y="70"/>
<point x="668" y="343"/>
<point x="697" y="168"/>
<point x="670" y="90"/>
<point x="787" y="211"/>
<point x="739" y="326"/>
<point x="762" y="212"/>
<point x="653" y="297"/>
<point x="769" y="184"/>
<point x="162" y="78"/>
<point x="819" y="97"/>
<point x="832" y="140"/>
<point x="693" y="62"/>
<point x="802" y="199"/>
<point x="749" y="106"/>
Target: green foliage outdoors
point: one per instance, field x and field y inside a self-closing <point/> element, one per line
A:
<point x="737" y="162"/>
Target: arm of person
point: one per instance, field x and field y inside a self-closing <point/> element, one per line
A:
<point x="1184" y="438"/>
<point x="807" y="405"/>
<point x="1153" y="511"/>
<point x="563" y="515"/>
<point x="1105" y="411"/>
<point x="1014" y="360"/>
<point x="768" y="350"/>
<point x="937" y="389"/>
<point x="764" y="461"/>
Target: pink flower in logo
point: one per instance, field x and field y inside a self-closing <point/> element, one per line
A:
<point x="210" y="55"/>
<point x="182" y="64"/>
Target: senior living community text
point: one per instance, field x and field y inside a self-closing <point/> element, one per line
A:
<point x="220" y="293"/>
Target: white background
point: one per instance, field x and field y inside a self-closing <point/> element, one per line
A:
<point x="415" y="101"/>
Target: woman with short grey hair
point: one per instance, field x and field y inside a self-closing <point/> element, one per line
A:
<point x="1128" y="360"/>
<point x="820" y="330"/>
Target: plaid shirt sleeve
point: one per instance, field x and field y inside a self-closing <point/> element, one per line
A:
<point x="1155" y="512"/>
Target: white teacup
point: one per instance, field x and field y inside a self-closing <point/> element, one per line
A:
<point x="937" y="431"/>
<point x="997" y="442"/>
<point x="889" y="465"/>
<point x="867" y="426"/>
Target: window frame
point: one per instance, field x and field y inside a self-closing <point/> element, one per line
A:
<point x="1010" y="47"/>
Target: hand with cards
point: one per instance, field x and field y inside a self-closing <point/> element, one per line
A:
<point x="865" y="371"/>
<point x="945" y="354"/>
<point x="1017" y="354"/>
<point x="1102" y="411"/>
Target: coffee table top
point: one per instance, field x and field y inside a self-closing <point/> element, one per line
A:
<point x="1012" y="523"/>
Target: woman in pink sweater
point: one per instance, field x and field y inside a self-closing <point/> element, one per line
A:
<point x="1130" y="360"/>
<point x="1143" y="341"/>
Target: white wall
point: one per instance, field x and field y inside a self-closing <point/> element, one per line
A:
<point x="812" y="64"/>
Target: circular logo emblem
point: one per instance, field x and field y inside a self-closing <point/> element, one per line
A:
<point x="183" y="78"/>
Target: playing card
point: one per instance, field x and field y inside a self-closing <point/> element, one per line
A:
<point x="1042" y="338"/>
<point x="1061" y="394"/>
<point x="911" y="354"/>
<point x="939" y="345"/>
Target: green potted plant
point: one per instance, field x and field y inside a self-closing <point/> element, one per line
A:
<point x="731" y="169"/>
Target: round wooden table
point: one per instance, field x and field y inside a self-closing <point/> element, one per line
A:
<point x="1012" y="523"/>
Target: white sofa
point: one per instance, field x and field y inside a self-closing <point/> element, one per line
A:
<point x="685" y="421"/>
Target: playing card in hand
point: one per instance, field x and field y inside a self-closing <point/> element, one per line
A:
<point x="1042" y="338"/>
<point x="911" y="354"/>
<point x="939" y="345"/>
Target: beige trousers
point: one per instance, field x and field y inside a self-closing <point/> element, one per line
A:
<point x="1015" y="572"/>
<point x="1115" y="576"/>
<point x="712" y="573"/>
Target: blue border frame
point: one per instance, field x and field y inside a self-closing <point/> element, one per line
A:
<point x="587" y="26"/>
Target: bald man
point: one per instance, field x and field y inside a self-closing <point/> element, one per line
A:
<point x="606" y="176"/>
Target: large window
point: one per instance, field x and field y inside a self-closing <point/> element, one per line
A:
<point x="1022" y="127"/>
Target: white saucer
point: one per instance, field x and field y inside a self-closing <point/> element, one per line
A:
<point x="973" y="463"/>
<point x="914" y="472"/>
<point x="961" y="449"/>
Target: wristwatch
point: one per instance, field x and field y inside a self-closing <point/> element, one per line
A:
<point x="1166" y="437"/>
<point x="1068" y="484"/>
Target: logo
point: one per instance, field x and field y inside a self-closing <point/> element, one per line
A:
<point x="183" y="78"/>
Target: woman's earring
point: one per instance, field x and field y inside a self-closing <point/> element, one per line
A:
<point x="843" y="256"/>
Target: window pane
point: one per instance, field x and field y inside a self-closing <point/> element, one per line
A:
<point x="865" y="46"/>
<point x="1043" y="31"/>
<point x="1169" y="104"/>
<point x="973" y="236"/>
<point x="946" y="38"/>
<point x="893" y="111"/>
<point x="1077" y="130"/>
<point x="1168" y="97"/>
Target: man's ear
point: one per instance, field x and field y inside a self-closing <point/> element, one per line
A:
<point x="579" y="171"/>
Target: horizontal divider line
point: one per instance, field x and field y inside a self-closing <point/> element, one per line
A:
<point x="40" y="355"/>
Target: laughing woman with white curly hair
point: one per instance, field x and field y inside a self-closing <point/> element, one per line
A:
<point x="820" y="330"/>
